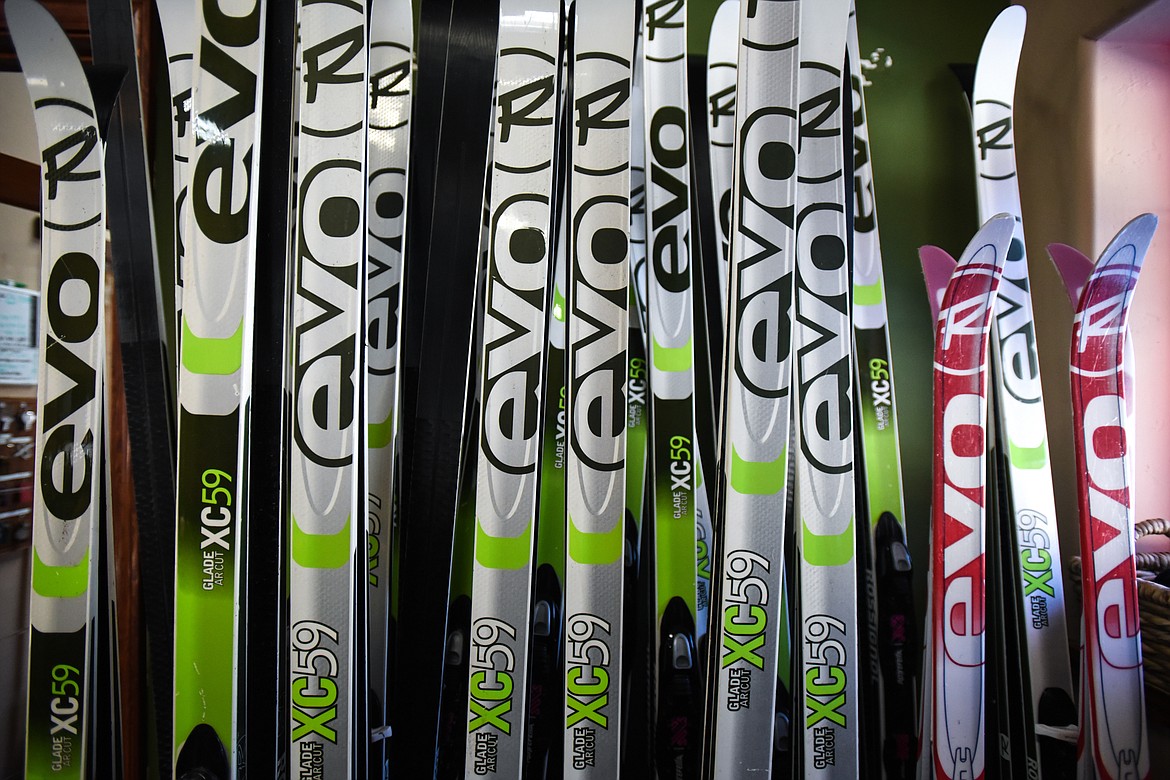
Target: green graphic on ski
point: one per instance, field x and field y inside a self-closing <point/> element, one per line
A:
<point x="215" y="377"/>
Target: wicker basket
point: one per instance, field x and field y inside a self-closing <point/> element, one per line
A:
<point x="1154" y="605"/>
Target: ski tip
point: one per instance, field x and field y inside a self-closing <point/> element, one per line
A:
<point x="19" y="14"/>
<point x="937" y="267"/>
<point x="999" y="57"/>
<point x="1131" y="243"/>
<point x="1008" y="27"/>
<point x="1012" y="19"/>
<point x="1074" y="268"/>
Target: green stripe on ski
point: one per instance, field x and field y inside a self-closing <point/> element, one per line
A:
<point x="758" y="478"/>
<point x="868" y="294"/>
<point x="208" y="614"/>
<point x="1030" y="458"/>
<point x="503" y="552"/>
<point x="597" y="549"/>
<point x="321" y="551"/>
<point x="676" y="556"/>
<point x="380" y="434"/>
<point x="827" y="550"/>
<point x="60" y="582"/>
<point x="883" y="470"/>
<point x="210" y="355"/>
<point x="673" y="359"/>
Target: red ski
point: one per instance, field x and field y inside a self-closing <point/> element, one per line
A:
<point x="1114" y="714"/>
<point x="958" y="514"/>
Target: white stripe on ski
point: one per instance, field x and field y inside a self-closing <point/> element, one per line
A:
<point x="757" y="405"/>
<point x="71" y="345"/>
<point x="325" y="505"/>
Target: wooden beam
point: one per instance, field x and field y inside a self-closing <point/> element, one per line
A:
<point x="20" y="183"/>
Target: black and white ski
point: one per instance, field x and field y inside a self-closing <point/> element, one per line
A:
<point x="825" y="470"/>
<point x="71" y="342"/>
<point x="391" y="44"/>
<point x="598" y="296"/>
<point x="681" y="529"/>
<point x="515" y="326"/>
<point x="745" y="685"/>
<point x="325" y="498"/>
<point x="1036" y="584"/>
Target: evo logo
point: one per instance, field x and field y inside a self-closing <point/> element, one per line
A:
<point x="822" y="294"/>
<point x="764" y="237"/>
<point x="72" y="309"/>
<point x="330" y="217"/>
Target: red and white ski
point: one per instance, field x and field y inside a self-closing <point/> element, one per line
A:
<point x="1115" y="719"/>
<point x="959" y="511"/>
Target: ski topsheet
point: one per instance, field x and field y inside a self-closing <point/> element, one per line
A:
<point x="757" y="401"/>
<point x="824" y="372"/>
<point x="388" y="154"/>
<point x="518" y="250"/>
<point x="679" y="585"/>
<point x="72" y="347"/>
<point x="325" y="511"/>
<point x="722" y="57"/>
<point x="214" y="392"/>
<point x="597" y="366"/>
<point x="958" y="511"/>
<point x="1023" y="434"/>
<point x="1116" y="735"/>
<point x="889" y="581"/>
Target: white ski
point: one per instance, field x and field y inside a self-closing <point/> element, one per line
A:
<point x="826" y="541"/>
<point x="1023" y="434"/>
<point x="757" y="401"/>
<point x="514" y="340"/>
<point x="388" y="160"/>
<point x="71" y="342"/>
<point x="598" y="297"/>
<point x="325" y="502"/>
